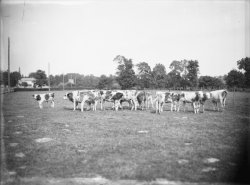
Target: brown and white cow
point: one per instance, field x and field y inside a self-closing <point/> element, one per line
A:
<point x="109" y="96"/>
<point x="192" y="97"/>
<point x="130" y="97"/>
<point x="90" y="97"/>
<point x="47" y="97"/>
<point x="141" y="97"/>
<point x="162" y="98"/>
<point x="218" y="96"/>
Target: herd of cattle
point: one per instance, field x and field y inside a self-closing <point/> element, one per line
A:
<point x="142" y="99"/>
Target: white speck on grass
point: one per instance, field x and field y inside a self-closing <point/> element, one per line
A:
<point x="43" y="140"/>
<point x="12" y="173"/>
<point x="18" y="132"/>
<point x="9" y="121"/>
<point x="66" y="130"/>
<point x="22" y="167"/>
<point x="165" y="181"/>
<point x="66" y="125"/>
<point x="98" y="179"/>
<point x="183" y="161"/>
<point x="184" y="117"/>
<point x="13" y="144"/>
<point x="20" y="116"/>
<point x="211" y="160"/>
<point x="143" y="131"/>
<point x="21" y="155"/>
<point x="208" y="169"/>
<point x="188" y="144"/>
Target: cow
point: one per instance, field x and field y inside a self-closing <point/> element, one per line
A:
<point x="84" y="96"/>
<point x="204" y="97"/>
<point x="218" y="96"/>
<point x="72" y="96"/>
<point x="109" y="96"/>
<point x="141" y="97"/>
<point x="47" y="97"/>
<point x="161" y="98"/>
<point x="149" y="99"/>
<point x="90" y="97"/>
<point x="130" y="97"/>
<point x="175" y="101"/>
<point x="193" y="97"/>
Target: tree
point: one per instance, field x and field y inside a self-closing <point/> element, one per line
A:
<point x="174" y="79"/>
<point x="179" y="67"/>
<point x="209" y="82"/>
<point x="40" y="76"/>
<point x="244" y="64"/>
<point x="14" y="78"/>
<point x="105" y="82"/>
<point x="193" y="71"/>
<point x="235" y="79"/>
<point x="159" y="74"/>
<point x="125" y="73"/>
<point x="144" y="76"/>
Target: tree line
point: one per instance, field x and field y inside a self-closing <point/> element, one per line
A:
<point x="183" y="75"/>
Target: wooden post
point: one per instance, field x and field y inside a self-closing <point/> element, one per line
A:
<point x="9" y="64"/>
<point x="63" y="81"/>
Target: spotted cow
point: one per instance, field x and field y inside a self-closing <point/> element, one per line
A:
<point x="47" y="97"/>
<point x="193" y="97"/>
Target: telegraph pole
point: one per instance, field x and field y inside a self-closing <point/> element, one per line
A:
<point x="9" y="63"/>
<point x="63" y="81"/>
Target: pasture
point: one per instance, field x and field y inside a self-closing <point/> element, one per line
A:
<point x="125" y="146"/>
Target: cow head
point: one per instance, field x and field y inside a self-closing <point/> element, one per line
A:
<point x="175" y="97"/>
<point x="36" y="97"/>
<point x="68" y="96"/>
<point x="168" y="97"/>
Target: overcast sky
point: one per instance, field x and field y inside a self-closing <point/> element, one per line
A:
<point x="85" y="36"/>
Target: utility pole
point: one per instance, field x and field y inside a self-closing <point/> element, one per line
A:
<point x="63" y="81"/>
<point x="9" y="64"/>
<point x="49" y="75"/>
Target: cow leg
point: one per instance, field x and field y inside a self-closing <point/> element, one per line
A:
<point x="135" y="103"/>
<point x="40" y="105"/>
<point x="82" y="104"/>
<point x="101" y="103"/>
<point x="74" y="105"/>
<point x="184" y="106"/>
<point x="156" y="107"/>
<point x="52" y="104"/>
<point x="117" y="104"/>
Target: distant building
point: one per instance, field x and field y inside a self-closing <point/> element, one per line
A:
<point x="27" y="82"/>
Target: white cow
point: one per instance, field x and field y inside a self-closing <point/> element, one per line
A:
<point x="218" y="96"/>
<point x="192" y="97"/>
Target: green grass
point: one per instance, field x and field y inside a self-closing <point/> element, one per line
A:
<point x="107" y="143"/>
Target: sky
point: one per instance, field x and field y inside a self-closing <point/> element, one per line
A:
<point x="85" y="36"/>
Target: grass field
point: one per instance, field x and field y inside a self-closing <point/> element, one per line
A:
<point x="126" y="145"/>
